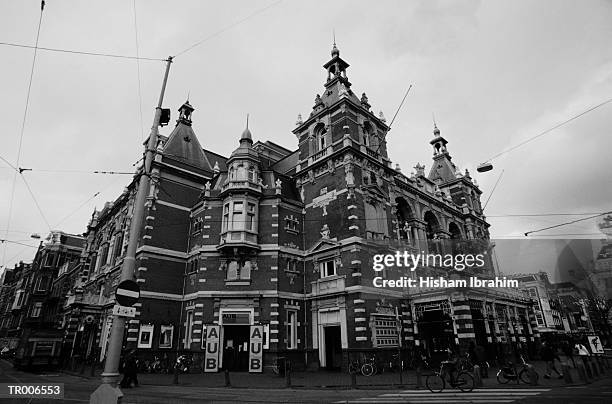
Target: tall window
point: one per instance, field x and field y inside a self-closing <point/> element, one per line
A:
<point x="36" y="309"/>
<point x="238" y="216"/>
<point x="104" y="255"/>
<point x="118" y="245"/>
<point x="225" y="216"/>
<point x="292" y="329"/>
<point x="327" y="268"/>
<point x="321" y="140"/>
<point x="238" y="270"/>
<point x="250" y="223"/>
<point x="252" y="174"/>
<point x="188" y="328"/>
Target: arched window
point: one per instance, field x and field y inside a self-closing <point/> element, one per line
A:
<point x="321" y="138"/>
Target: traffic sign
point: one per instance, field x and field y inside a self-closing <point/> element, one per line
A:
<point x="127" y="293"/>
<point x="124" y="311"/>
<point x="595" y="343"/>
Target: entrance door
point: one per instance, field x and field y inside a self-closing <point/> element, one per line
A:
<point x="333" y="347"/>
<point x="236" y="347"/>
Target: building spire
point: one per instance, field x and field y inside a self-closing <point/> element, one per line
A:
<point x="246" y="134"/>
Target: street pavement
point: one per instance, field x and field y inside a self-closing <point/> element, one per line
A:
<point x="310" y="387"/>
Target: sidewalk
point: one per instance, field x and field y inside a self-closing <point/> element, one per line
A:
<point x="328" y="379"/>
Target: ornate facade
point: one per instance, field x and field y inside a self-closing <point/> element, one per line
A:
<point x="286" y="239"/>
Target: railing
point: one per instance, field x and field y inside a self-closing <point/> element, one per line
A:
<point x="233" y="184"/>
<point x="320" y="154"/>
<point x="332" y="284"/>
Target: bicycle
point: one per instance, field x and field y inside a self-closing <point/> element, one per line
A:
<point x="369" y="368"/>
<point x="509" y="372"/>
<point x="437" y="382"/>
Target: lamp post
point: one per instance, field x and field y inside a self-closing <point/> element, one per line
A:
<point x="106" y="392"/>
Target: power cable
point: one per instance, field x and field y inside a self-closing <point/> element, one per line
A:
<point x="110" y="55"/>
<point x="35" y="201"/>
<point x="543" y="214"/>
<point x="16" y="242"/>
<point x="23" y="122"/>
<point x="77" y="209"/>
<point x="493" y="190"/>
<point x="551" y="129"/>
<point x="78" y="171"/>
<point x="567" y="223"/>
<point x="138" y="71"/>
<point x="256" y="12"/>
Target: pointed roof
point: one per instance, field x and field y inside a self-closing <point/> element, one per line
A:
<point x="443" y="169"/>
<point x="183" y="144"/>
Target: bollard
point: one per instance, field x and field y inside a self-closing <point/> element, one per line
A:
<point x="227" y="379"/>
<point x="353" y="380"/>
<point x="175" y="379"/>
<point x="92" y="373"/>
<point x="477" y="376"/>
<point x="567" y="377"/>
<point x="594" y="368"/>
<point x="82" y="370"/>
<point x="401" y="377"/>
<point x="484" y="371"/>
<point x="419" y="381"/>
<point x="533" y="375"/>
<point x="587" y="368"/>
<point x="288" y="377"/>
<point x="582" y="375"/>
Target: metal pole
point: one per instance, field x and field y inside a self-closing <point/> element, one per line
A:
<point x="111" y="367"/>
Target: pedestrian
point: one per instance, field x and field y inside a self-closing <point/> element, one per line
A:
<point x="568" y="351"/>
<point x="548" y="355"/>
<point x="130" y="371"/>
<point x="480" y="357"/>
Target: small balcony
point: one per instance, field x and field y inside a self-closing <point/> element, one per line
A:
<point x="329" y="285"/>
<point x="320" y="154"/>
<point x="238" y="238"/>
<point x="241" y="184"/>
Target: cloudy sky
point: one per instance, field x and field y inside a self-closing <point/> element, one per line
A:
<point x="494" y="73"/>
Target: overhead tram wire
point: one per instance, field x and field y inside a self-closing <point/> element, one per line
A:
<point x="23" y="122"/>
<point x="493" y="190"/>
<point x="109" y="55"/>
<point x="222" y="30"/>
<point x="601" y="104"/>
<point x="543" y="214"/>
<point x="567" y="223"/>
<point x="394" y="116"/>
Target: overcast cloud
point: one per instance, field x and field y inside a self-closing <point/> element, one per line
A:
<point x="494" y="73"/>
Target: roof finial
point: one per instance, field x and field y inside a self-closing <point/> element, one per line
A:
<point x="436" y="130"/>
<point x="247" y="121"/>
<point x="335" y="52"/>
<point x="188" y="95"/>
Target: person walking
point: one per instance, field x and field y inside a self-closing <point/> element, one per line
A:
<point x="549" y="355"/>
<point x="130" y="371"/>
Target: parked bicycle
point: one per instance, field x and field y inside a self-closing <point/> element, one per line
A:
<point x="510" y="372"/>
<point x="464" y="381"/>
<point x="366" y="368"/>
<point x="184" y="363"/>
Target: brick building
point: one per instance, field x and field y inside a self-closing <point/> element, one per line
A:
<point x="285" y="239"/>
<point x="31" y="317"/>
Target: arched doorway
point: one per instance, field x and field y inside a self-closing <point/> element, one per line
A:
<point x="404" y="215"/>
